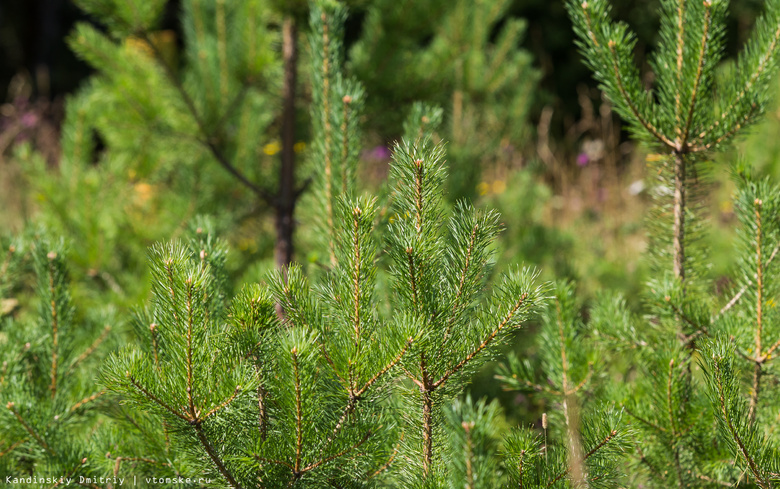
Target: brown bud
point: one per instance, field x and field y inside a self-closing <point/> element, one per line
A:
<point x="52" y="255"/>
<point x="347" y="99"/>
<point x="153" y="326"/>
<point x="202" y="255"/>
<point x="12" y="249"/>
<point x="199" y="231"/>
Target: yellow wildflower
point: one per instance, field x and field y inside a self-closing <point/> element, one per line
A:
<point x="272" y="148"/>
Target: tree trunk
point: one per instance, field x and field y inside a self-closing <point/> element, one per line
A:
<point x="287" y="196"/>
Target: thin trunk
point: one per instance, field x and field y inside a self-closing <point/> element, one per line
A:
<point x="679" y="215"/>
<point x="286" y="198"/>
<point x="427" y="431"/>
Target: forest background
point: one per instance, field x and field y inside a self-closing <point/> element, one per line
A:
<point x="567" y="180"/>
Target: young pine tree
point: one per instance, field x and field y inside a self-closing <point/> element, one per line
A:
<point x="243" y="396"/>
<point x="685" y="117"/>
<point x="193" y="124"/>
<point x="48" y="420"/>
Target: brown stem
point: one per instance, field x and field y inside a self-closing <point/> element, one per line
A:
<point x="678" y="238"/>
<point x="469" y="455"/>
<point x="427" y="431"/>
<point x="190" y="319"/>
<point x="412" y="275"/>
<point x="680" y="51"/>
<point x="673" y="425"/>
<point x="298" y="413"/>
<point x="586" y="457"/>
<point x="54" y="326"/>
<point x="356" y="288"/>
<point x="214" y="456"/>
<point x="327" y="136"/>
<point x="520" y="468"/>
<point x="418" y="194"/>
<point x="86" y="400"/>
<point x="285" y="203"/>
<point x="745" y="287"/>
<point x="753" y="409"/>
<point x="387" y="464"/>
<point x="759" y="280"/>
<point x="427" y="416"/>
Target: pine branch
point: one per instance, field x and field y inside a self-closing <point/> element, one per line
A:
<point x="223" y="404"/>
<point x="384" y="369"/>
<point x="158" y="401"/>
<point x="459" y="293"/>
<point x="678" y="229"/>
<point x="734" y="300"/>
<point x="86" y="400"/>
<point x="699" y="71"/>
<point x="751" y="463"/>
<point x="205" y="134"/>
<point x="213" y="455"/>
<point x="387" y="464"/>
<point x="590" y="453"/>
<point x="69" y="474"/>
<point x="749" y="85"/>
<point x="90" y="350"/>
<point x="12" y="447"/>
<point x="482" y="345"/>
<point x="121" y="460"/>
<point x="630" y="103"/>
<point x="337" y="455"/>
<point x="648" y="423"/>
<point x="11" y="407"/>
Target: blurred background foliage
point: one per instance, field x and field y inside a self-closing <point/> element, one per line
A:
<point x="96" y="146"/>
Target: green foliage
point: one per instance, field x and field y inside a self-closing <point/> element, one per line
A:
<point x="47" y="385"/>
<point x="582" y="448"/>
<point x="689" y="114"/>
<point x="482" y="79"/>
